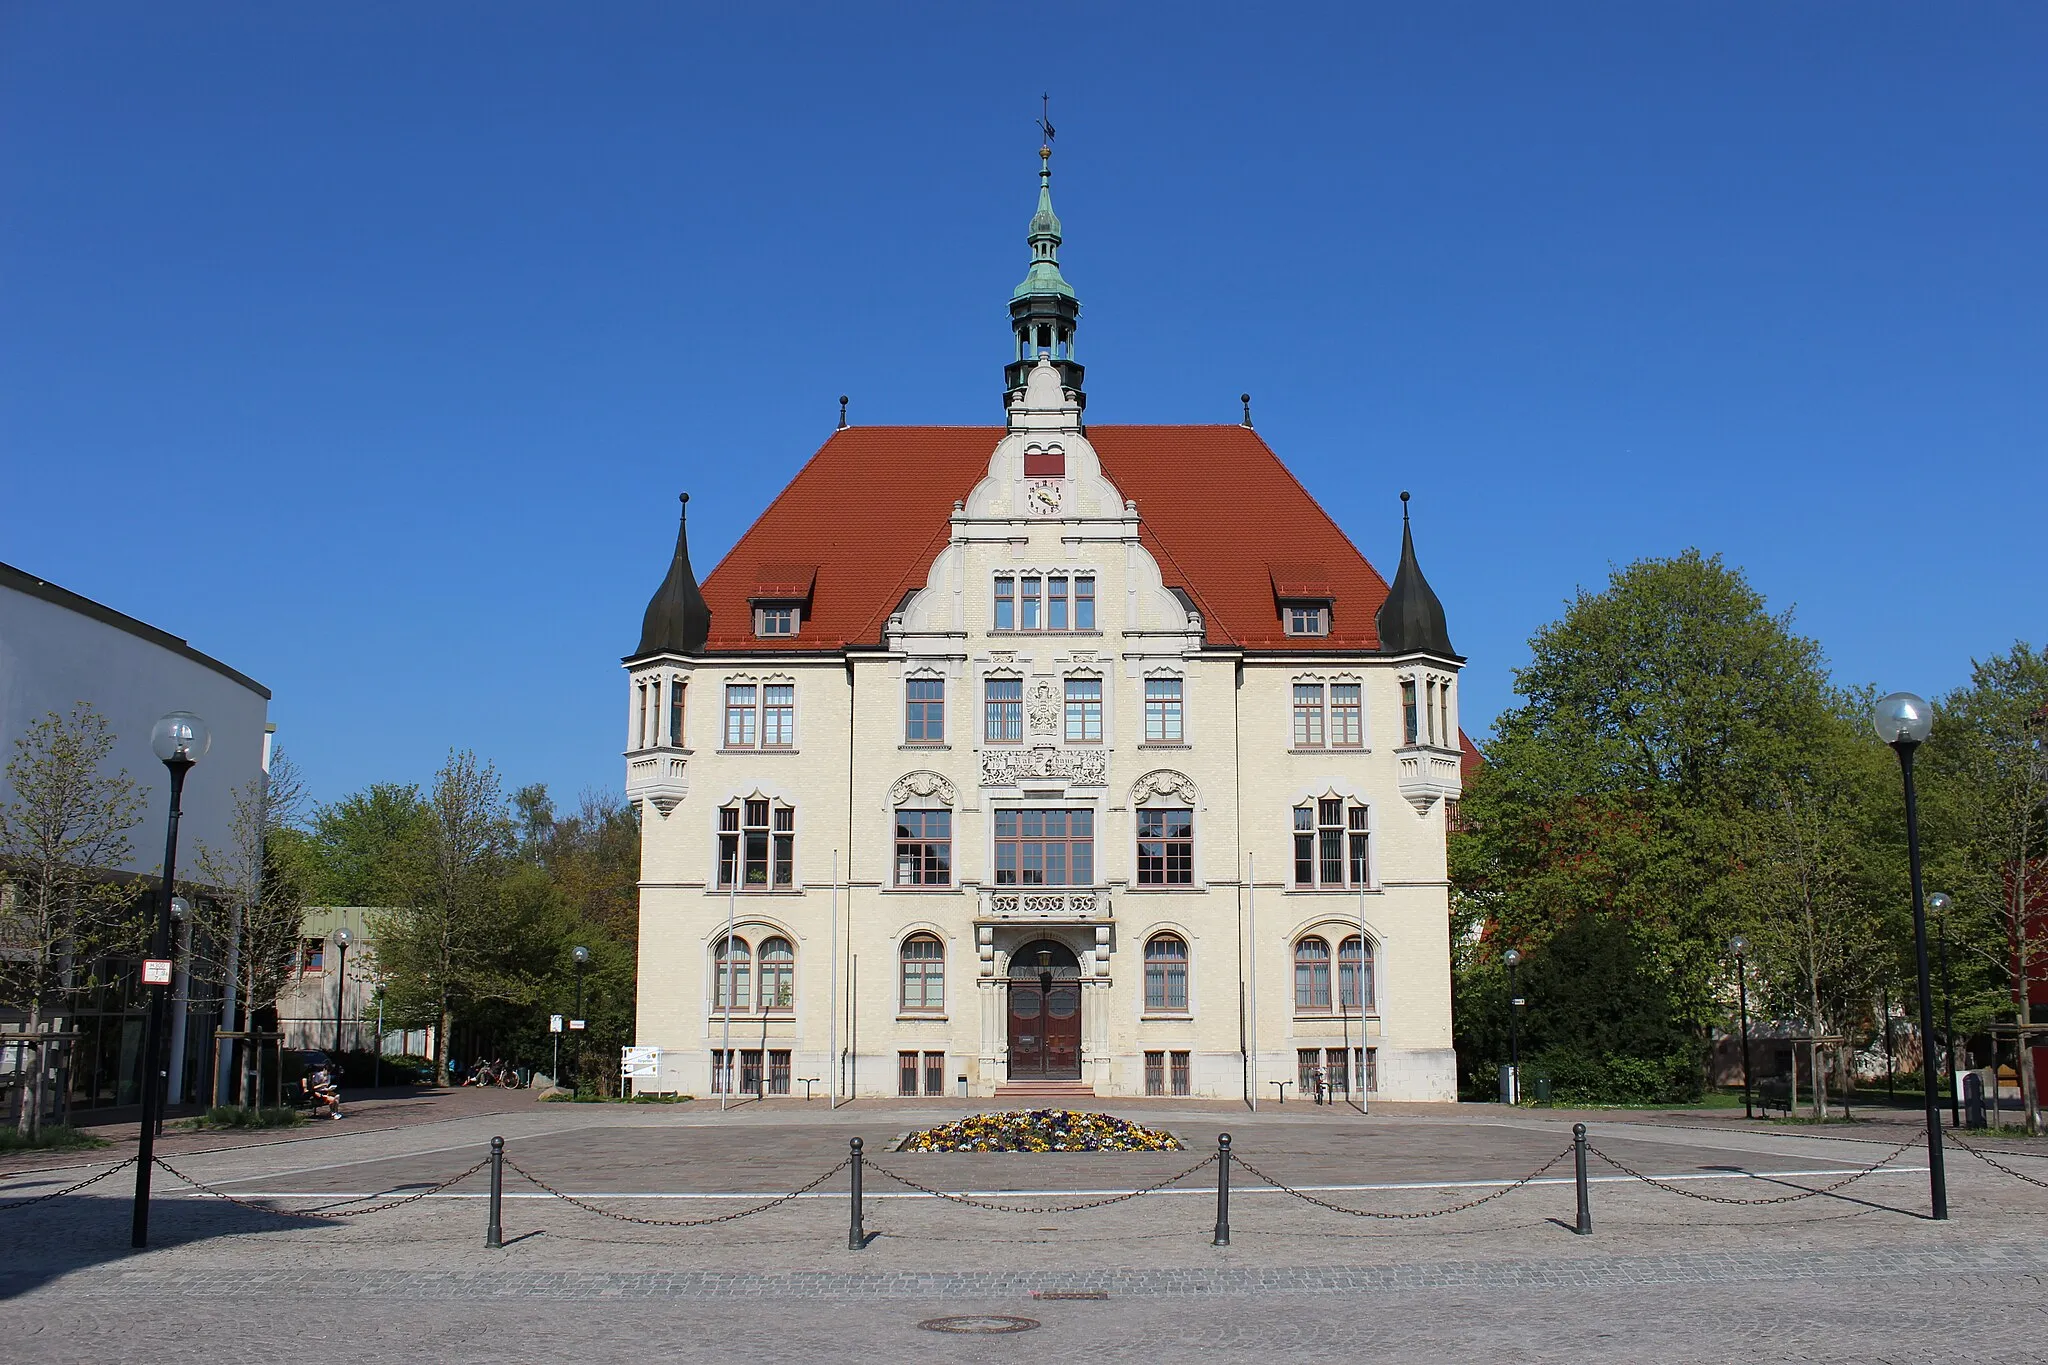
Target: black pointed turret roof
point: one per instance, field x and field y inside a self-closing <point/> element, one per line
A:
<point x="1411" y="620"/>
<point x="678" y="621"/>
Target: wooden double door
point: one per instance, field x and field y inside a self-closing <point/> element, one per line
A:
<point x="1045" y="1014"/>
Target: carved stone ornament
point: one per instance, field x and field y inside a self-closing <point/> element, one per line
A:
<point x="1163" y="782"/>
<point x="1044" y="707"/>
<point x="1008" y="767"/>
<point x="923" y="783"/>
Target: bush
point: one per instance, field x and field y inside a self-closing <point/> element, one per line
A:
<point x="52" y="1137"/>
<point x="1580" y="1078"/>
<point x="235" y="1116"/>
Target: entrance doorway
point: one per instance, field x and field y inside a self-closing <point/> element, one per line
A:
<point x="1045" y="1013"/>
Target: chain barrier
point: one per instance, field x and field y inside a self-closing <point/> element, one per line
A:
<point x="543" y="1185"/>
<point x="208" y="1190"/>
<point x="1849" y="1179"/>
<point x="1986" y="1158"/>
<point x="68" y="1189"/>
<point x="974" y="1203"/>
<point x="1487" y="1198"/>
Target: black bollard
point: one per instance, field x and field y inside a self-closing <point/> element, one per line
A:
<point x="1222" y="1238"/>
<point x="856" y="1236"/>
<point x="494" y="1235"/>
<point x="1585" y="1227"/>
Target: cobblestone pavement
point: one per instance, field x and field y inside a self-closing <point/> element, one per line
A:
<point x="1859" y="1274"/>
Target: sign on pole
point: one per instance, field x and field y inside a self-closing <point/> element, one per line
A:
<point x="554" y="1023"/>
<point x="575" y="1025"/>
<point x="156" y="971"/>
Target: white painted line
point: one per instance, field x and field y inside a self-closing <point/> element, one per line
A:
<point x="344" y="1196"/>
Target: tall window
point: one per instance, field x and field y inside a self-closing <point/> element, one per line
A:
<point x="1045" y="602"/>
<point x="1312" y="975"/>
<point x="924" y="847"/>
<point x="778" y="715"/>
<point x="925" y="717"/>
<point x="1084" y="710"/>
<point x="1162" y="710"/>
<point x="1332" y="843"/>
<point x="1166" y="847"/>
<point x="1045" y="848"/>
<point x="1166" y="972"/>
<point x="733" y="963"/>
<point x="740" y="715"/>
<point x="924" y="973"/>
<point x="1004" y="705"/>
<point x="1347" y="716"/>
<point x="1354" y="977"/>
<point x="641" y="739"/>
<point x="758" y="836"/>
<point x="778" y="974"/>
<point x="1410" y="720"/>
<point x="1308" y="715"/>
<point x="677" y="689"/>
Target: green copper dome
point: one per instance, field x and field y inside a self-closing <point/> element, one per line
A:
<point x="1044" y="276"/>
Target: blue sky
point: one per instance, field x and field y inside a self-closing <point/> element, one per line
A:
<point x="367" y="346"/>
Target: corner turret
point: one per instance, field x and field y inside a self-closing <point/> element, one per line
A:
<point x="678" y="621"/>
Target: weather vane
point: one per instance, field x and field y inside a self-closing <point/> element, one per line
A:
<point x="1045" y="117"/>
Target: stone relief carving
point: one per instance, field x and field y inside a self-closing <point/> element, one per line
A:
<point x="1008" y="767"/>
<point x="924" y="783"/>
<point x="1044" y="707"/>
<point x="1164" y="782"/>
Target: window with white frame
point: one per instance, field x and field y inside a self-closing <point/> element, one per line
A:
<point x="1347" y="715"/>
<point x="1355" y="976"/>
<point x="1329" y="715"/>
<point x="923" y="974"/>
<point x="677" y="691"/>
<point x="1332" y="843"/>
<point x="757" y="838"/>
<point x="742" y="715"/>
<point x="760" y="716"/>
<point x="1084" y="710"/>
<point x="778" y="974"/>
<point x="1312" y="975"/>
<point x="1162" y="711"/>
<point x="733" y="962"/>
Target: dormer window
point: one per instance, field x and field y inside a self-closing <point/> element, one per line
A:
<point x="777" y="621"/>
<point x="1306" y="618"/>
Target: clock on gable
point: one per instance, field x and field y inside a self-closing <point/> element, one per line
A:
<point x="1042" y="498"/>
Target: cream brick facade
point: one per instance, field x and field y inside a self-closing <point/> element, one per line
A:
<point x="850" y="767"/>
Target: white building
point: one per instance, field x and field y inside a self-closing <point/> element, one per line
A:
<point x="58" y="649"/>
<point x="1118" y="745"/>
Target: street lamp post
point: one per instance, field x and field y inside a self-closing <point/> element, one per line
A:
<point x="180" y="740"/>
<point x="1938" y="902"/>
<point x="342" y="938"/>
<point x="582" y="956"/>
<point x="1904" y="721"/>
<point x="1513" y="957"/>
<point x="1740" y="947"/>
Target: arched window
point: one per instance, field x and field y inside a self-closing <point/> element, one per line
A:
<point x="1312" y="975"/>
<point x="1166" y="972"/>
<point x="778" y="974"/>
<point x="733" y="965"/>
<point x="1354" y="976"/>
<point x="924" y="973"/>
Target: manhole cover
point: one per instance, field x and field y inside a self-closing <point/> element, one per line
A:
<point x="979" y="1324"/>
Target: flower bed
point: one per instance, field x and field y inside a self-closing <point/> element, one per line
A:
<point x="1041" y="1130"/>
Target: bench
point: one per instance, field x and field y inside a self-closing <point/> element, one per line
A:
<point x="1774" y="1092"/>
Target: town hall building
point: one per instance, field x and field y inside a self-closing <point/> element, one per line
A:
<point x="1044" y="758"/>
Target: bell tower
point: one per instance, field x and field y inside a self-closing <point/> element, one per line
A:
<point x="1043" y="309"/>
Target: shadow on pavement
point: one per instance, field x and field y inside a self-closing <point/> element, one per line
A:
<point x="49" y="1241"/>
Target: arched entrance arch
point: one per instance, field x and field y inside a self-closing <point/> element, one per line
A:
<point x="1045" y="1012"/>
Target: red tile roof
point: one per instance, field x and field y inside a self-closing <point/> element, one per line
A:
<point x="1224" y="517"/>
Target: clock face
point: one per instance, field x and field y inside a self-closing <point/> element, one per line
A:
<point x="1043" y="499"/>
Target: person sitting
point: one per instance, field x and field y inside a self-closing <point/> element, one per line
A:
<point x="325" y="1091"/>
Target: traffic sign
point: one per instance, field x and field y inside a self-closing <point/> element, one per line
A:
<point x="576" y="1024"/>
<point x="554" y="1023"/>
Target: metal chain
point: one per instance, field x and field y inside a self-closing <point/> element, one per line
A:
<point x="1985" y="1157"/>
<point x="1850" y="1179"/>
<point x="1401" y="1217"/>
<point x="320" y="1213"/>
<point x="673" y="1222"/>
<point x="971" y="1202"/>
<point x="68" y="1189"/>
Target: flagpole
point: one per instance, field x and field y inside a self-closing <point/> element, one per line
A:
<point x="1251" y="902"/>
<point x="732" y="893"/>
<point x="832" y="1052"/>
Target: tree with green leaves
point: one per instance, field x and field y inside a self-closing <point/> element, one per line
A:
<point x="355" y="851"/>
<point x="1985" y="775"/>
<point x="62" y="839"/>
<point x="1660" y="717"/>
